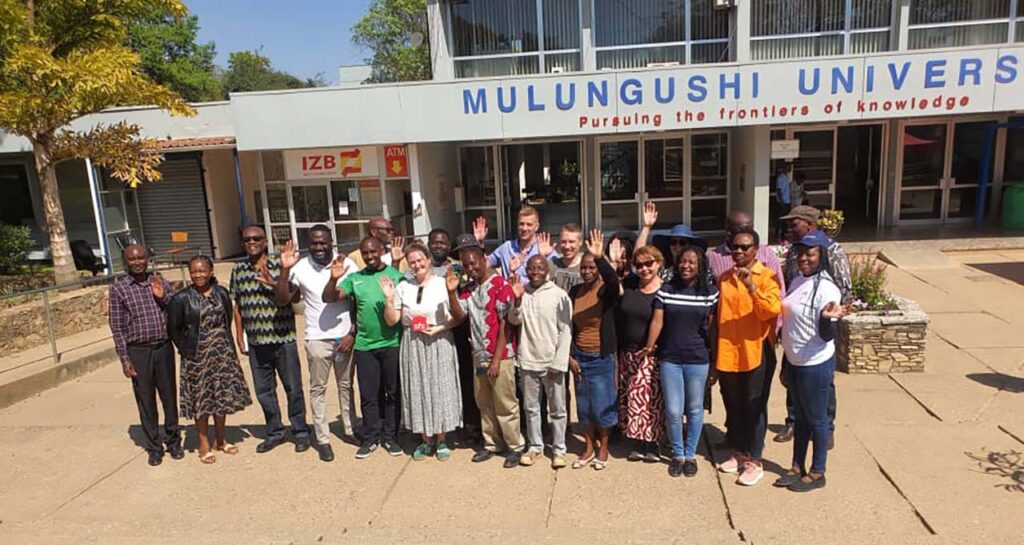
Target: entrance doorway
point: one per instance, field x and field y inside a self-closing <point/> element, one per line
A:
<point x="938" y="175"/>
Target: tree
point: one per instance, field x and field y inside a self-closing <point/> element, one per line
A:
<point x="395" y="31"/>
<point x="61" y="60"/>
<point x="252" y="71"/>
<point x="171" y="56"/>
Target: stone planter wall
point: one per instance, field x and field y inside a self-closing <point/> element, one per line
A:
<point x="871" y="342"/>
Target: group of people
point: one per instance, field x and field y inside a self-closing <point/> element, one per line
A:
<point x="643" y="324"/>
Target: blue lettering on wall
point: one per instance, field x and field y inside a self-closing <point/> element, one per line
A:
<point x="843" y="79"/>
<point x="1006" y="69"/>
<point x="477" y="104"/>
<point x="630" y="92"/>
<point x="934" y="74"/>
<point x="756" y="76"/>
<point x="564" y="104"/>
<point x="663" y="99"/>
<point x="970" y="67"/>
<point x="531" y="99"/>
<point x="898" y="80"/>
<point x="724" y="84"/>
<point x="511" y="106"/>
<point x="599" y="93"/>
<point x="698" y="88"/>
<point x="804" y="89"/>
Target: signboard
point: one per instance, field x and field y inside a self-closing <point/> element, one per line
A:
<point x="888" y="85"/>
<point x="360" y="162"/>
<point x="396" y="163"/>
<point x="785" y="149"/>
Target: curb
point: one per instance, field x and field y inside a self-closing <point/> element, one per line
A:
<point x="27" y="387"/>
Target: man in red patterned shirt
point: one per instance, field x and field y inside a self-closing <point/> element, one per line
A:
<point x="138" y="323"/>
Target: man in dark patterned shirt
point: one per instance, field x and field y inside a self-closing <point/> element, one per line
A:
<point x="271" y="347"/>
<point x="138" y="322"/>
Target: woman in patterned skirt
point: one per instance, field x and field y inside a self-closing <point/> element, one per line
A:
<point x="641" y="412"/>
<point x="428" y="308"/>
<point x="212" y="383"/>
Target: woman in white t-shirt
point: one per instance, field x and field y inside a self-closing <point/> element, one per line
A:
<point x="428" y="308"/>
<point x="809" y="314"/>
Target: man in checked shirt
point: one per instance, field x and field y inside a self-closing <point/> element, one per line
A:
<point x="138" y="322"/>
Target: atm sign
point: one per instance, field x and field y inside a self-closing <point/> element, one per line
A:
<point x="396" y="161"/>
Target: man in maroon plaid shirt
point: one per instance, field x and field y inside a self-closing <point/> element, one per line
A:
<point x="138" y="322"/>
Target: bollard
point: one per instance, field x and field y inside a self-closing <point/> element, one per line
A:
<point x="49" y="328"/>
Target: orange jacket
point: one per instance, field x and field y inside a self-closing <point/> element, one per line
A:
<point x="746" y="319"/>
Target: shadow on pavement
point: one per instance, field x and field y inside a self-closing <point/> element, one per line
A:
<point x="999" y="381"/>
<point x="1012" y="271"/>
<point x="1008" y="466"/>
<point x="233" y="434"/>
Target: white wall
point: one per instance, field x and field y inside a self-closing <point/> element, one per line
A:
<point x="222" y="198"/>
<point x="250" y="168"/>
<point x="435" y="173"/>
<point x="211" y="119"/>
<point x="751" y="175"/>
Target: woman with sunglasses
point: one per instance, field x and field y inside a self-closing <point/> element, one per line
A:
<point x="809" y="313"/>
<point x="641" y="416"/>
<point x="428" y="308"/>
<point x="593" y="346"/>
<point x="680" y="335"/>
<point x="749" y="306"/>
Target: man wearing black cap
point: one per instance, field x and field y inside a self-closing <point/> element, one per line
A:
<point x="467" y="369"/>
<point x="803" y="220"/>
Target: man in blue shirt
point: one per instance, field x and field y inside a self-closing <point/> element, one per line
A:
<point x="782" y="201"/>
<point x="512" y="255"/>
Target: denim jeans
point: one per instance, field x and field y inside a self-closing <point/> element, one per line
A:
<point x="595" y="390"/>
<point x="682" y="384"/>
<point x="791" y="411"/>
<point x="268" y="362"/>
<point x="809" y="387"/>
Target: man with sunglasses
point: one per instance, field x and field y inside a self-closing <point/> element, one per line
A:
<point x="269" y="329"/>
<point x="380" y="228"/>
<point x="720" y="258"/>
<point x="328" y="329"/>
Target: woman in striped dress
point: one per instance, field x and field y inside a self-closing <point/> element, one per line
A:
<point x="428" y="308"/>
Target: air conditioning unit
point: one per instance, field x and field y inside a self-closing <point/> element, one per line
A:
<point x="723" y="4"/>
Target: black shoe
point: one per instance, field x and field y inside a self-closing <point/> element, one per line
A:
<point x="801" y="486"/>
<point x="787" y="480"/>
<point x="156" y="458"/>
<point x="689" y="468"/>
<point x="785" y="435"/>
<point x="392" y="447"/>
<point x="675" y="468"/>
<point x="326" y="452"/>
<point x="302" y="444"/>
<point x="482" y="456"/>
<point x="268" y="445"/>
<point x="652" y="456"/>
<point x="635" y="456"/>
<point x="366" y="450"/>
<point x="176" y="452"/>
<point x="512" y="460"/>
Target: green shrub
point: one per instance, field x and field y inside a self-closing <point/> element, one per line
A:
<point x="868" y="278"/>
<point x="15" y="242"/>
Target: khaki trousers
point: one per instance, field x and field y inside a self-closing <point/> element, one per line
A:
<point x="321" y="358"/>
<point x="499" y="408"/>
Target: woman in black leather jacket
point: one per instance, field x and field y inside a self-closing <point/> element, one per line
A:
<point x="212" y="383"/>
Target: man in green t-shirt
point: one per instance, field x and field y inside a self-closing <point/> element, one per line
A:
<point x="376" y="346"/>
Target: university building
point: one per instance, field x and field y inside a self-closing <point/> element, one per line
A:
<point x="898" y="112"/>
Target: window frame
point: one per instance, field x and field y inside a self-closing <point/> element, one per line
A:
<point x="846" y="33"/>
<point x="1011" y="20"/>
<point x="687" y="41"/>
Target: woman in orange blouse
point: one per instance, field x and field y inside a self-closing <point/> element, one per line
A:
<point x="749" y="306"/>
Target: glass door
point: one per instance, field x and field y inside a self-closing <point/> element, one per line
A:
<point x="311" y="205"/>
<point x="546" y="176"/>
<point x="478" y="176"/>
<point x="968" y="152"/>
<point x="816" y="164"/>
<point x="664" y="171"/>
<point x="619" y="176"/>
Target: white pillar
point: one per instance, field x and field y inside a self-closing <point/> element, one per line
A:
<point x="97" y="211"/>
<point x="901" y="22"/>
<point x="741" y="39"/>
<point x="587" y="37"/>
<point x="440" y="52"/>
<point x="421" y="223"/>
<point x="751" y="190"/>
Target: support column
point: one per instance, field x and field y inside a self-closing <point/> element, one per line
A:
<point x="751" y="188"/>
<point x="420" y="219"/>
<point x="901" y="23"/>
<point x="97" y="210"/>
<point x="741" y="38"/>
<point x="440" y="52"/>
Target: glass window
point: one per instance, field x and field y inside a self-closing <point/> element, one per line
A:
<point x="710" y="168"/>
<point x="311" y="204"/>
<point x="1013" y="170"/>
<point x="814" y="28"/>
<point x="815" y="160"/>
<point x="708" y="214"/>
<point x="273" y="166"/>
<point x="353" y="199"/>
<point x="663" y="166"/>
<point x="619" y="24"/>
<point x="619" y="172"/>
<point x="277" y="201"/>
<point x="16" y="206"/>
<point x="924" y="155"/>
<point x="959" y="20"/>
<point x="478" y="176"/>
<point x="969" y="152"/>
<point x="544" y="176"/>
<point x="632" y="22"/>
<point x="501" y="66"/>
<point x="485" y="27"/>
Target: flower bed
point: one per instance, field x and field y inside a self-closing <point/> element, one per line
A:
<point x="887" y="341"/>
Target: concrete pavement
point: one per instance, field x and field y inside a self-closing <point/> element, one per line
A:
<point x="927" y="458"/>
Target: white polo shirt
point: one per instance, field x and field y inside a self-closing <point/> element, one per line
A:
<point x="323" y="321"/>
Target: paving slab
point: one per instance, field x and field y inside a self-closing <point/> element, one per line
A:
<point x="1004" y="360"/>
<point x="976" y="330"/>
<point x="916" y="258"/>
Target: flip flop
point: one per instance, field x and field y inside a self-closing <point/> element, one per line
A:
<point x="599" y="465"/>
<point x="581" y="462"/>
<point x="228" y="448"/>
<point x="207" y="458"/>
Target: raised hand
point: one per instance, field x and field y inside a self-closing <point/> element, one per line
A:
<point x="834" y="311"/>
<point x="517" y="261"/>
<point x="616" y="251"/>
<point x="289" y="255"/>
<point x="338" y="268"/>
<point x="517" y="286"/>
<point x="451" y="280"/>
<point x="650" y="214"/>
<point x="544" y="246"/>
<point x="156" y="284"/>
<point x="480" y="229"/>
<point x="387" y="286"/>
<point x="595" y="244"/>
<point x="397" y="250"/>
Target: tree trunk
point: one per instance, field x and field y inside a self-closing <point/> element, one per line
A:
<point x="63" y="265"/>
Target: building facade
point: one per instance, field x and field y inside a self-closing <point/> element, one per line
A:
<point x="898" y="112"/>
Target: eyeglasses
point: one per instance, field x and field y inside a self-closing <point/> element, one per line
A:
<point x="644" y="264"/>
<point x="677" y="242"/>
<point x="742" y="247"/>
<point x="253" y="239"/>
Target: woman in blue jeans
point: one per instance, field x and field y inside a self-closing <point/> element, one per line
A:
<point x="680" y="335"/>
<point x="809" y="313"/>
<point x="593" y="344"/>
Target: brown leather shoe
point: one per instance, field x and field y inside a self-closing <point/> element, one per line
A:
<point x="785" y="435"/>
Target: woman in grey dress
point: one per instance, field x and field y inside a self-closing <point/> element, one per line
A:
<point x="428" y="307"/>
<point x="212" y="383"/>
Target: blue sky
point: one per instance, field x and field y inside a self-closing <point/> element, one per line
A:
<point x="301" y="38"/>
